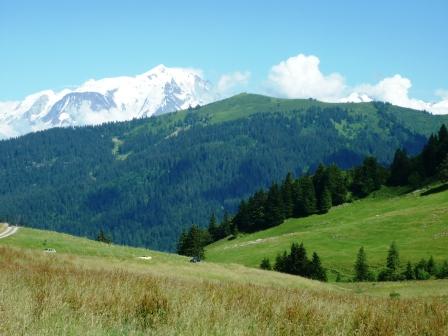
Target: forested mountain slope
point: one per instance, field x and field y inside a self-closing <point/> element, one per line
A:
<point x="145" y="180"/>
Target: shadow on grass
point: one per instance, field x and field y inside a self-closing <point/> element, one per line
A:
<point x="435" y="190"/>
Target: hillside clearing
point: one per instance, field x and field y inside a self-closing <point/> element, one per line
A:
<point x="418" y="224"/>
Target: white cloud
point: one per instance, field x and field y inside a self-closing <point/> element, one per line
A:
<point x="229" y="82"/>
<point x="300" y="77"/>
<point x="395" y="90"/>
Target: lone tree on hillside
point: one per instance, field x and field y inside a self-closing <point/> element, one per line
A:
<point x="102" y="237"/>
<point x="392" y="265"/>
<point x="361" y="267"/>
<point x="393" y="259"/>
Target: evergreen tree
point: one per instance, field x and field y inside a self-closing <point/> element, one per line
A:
<point x="305" y="204"/>
<point x="393" y="259"/>
<point x="429" y="156"/>
<point x="274" y="207"/>
<point x="242" y="219"/>
<point x="101" y="237"/>
<point x="213" y="228"/>
<point x="266" y="264"/>
<point x="280" y="262"/>
<point x="256" y="207"/>
<point x="192" y="243"/>
<point x="443" y="170"/>
<point x="431" y="267"/>
<point x="316" y="271"/>
<point x="287" y="190"/>
<point x="420" y="270"/>
<point x="443" y="271"/>
<point x="297" y="262"/>
<point x="361" y="266"/>
<point x="368" y="177"/>
<point x="399" y="169"/>
<point x="325" y="201"/>
<point x="337" y="185"/>
<point x="409" y="273"/>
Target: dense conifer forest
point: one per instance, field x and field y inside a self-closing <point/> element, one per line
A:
<point x="144" y="181"/>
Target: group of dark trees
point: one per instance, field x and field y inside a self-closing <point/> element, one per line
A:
<point x="423" y="270"/>
<point x="317" y="193"/>
<point x="432" y="162"/>
<point x="297" y="263"/>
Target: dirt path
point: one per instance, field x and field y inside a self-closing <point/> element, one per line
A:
<point x="10" y="230"/>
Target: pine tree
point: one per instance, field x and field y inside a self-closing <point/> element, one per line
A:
<point x="101" y="237"/>
<point x="242" y="218"/>
<point x="368" y="177"/>
<point x="192" y="243"/>
<point x="429" y="156"/>
<point x="274" y="214"/>
<point x="287" y="196"/>
<point x="431" y="267"/>
<point x="305" y="203"/>
<point x="409" y="273"/>
<point x="266" y="264"/>
<point x="297" y="262"/>
<point x="361" y="266"/>
<point x="443" y="271"/>
<point x="213" y="228"/>
<point x="399" y="169"/>
<point x="442" y="171"/>
<point x="316" y="271"/>
<point x="393" y="259"/>
<point x="280" y="262"/>
<point x="337" y="185"/>
<point x="325" y="201"/>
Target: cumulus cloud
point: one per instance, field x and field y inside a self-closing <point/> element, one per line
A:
<point x="300" y="77"/>
<point x="395" y="90"/>
<point x="231" y="82"/>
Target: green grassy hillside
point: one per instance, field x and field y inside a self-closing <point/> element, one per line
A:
<point x="417" y="223"/>
<point x="90" y="252"/>
<point x="91" y="288"/>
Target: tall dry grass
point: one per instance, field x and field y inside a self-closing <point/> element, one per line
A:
<point x="53" y="295"/>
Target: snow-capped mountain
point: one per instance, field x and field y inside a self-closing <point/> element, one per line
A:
<point x="160" y="90"/>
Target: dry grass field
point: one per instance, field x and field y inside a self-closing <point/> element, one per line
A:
<point x="65" y="294"/>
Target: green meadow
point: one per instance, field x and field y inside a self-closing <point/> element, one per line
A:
<point x="417" y="221"/>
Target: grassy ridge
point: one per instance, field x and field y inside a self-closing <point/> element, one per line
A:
<point x="418" y="224"/>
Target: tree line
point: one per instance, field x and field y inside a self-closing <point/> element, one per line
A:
<point x="422" y="270"/>
<point x="296" y="262"/>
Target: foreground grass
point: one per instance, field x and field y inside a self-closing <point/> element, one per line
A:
<point x="65" y="295"/>
<point x="95" y="254"/>
<point x="418" y="224"/>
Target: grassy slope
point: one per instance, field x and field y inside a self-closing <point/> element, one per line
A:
<point x="418" y="224"/>
<point x="90" y="252"/>
<point x="91" y="288"/>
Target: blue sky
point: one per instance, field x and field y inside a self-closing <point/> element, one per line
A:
<point x="55" y="44"/>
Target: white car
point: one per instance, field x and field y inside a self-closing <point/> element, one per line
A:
<point x="50" y="250"/>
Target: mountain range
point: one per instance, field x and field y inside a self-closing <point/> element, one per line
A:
<point x="158" y="91"/>
<point x="145" y="180"/>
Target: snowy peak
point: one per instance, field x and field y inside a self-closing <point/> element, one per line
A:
<point x="157" y="91"/>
